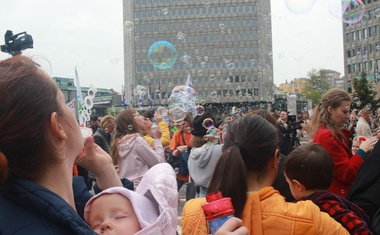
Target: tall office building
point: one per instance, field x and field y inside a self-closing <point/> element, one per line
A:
<point x="225" y="46"/>
<point x="362" y="42"/>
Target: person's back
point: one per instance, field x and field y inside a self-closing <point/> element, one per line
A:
<point x="245" y="172"/>
<point x="309" y="171"/>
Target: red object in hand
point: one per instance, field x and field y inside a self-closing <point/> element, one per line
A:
<point x="361" y="138"/>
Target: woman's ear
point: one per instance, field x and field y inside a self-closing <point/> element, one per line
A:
<point x="329" y="109"/>
<point x="56" y="127"/>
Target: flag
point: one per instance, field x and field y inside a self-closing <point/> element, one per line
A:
<point x="159" y="94"/>
<point x="79" y="98"/>
<point x="131" y="102"/>
<point x="150" y="102"/>
<point x="188" y="80"/>
<point x="123" y="103"/>
<point x="72" y="106"/>
<point x="140" y="99"/>
<point x="374" y="74"/>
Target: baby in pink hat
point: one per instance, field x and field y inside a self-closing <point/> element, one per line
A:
<point x="152" y="209"/>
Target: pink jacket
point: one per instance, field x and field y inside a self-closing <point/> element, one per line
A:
<point x="159" y="185"/>
<point x="136" y="157"/>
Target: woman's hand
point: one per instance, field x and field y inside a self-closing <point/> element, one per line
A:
<point x="96" y="160"/>
<point x="233" y="226"/>
<point x="157" y="117"/>
<point x="368" y="145"/>
<point x="157" y="133"/>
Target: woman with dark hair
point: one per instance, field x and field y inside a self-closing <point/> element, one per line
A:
<point x="130" y="151"/>
<point x="326" y="128"/>
<point x="245" y="172"/>
<point x="38" y="149"/>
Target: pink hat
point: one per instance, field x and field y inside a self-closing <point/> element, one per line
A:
<point x="145" y="210"/>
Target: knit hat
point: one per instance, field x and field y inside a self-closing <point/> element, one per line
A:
<point x="202" y="123"/>
<point x="145" y="210"/>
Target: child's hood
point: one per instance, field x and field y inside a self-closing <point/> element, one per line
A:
<point x="202" y="155"/>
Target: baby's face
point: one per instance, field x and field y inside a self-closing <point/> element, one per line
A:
<point x="113" y="214"/>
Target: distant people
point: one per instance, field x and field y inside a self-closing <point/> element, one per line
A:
<point x="363" y="127"/>
<point x="94" y="123"/>
<point x="102" y="136"/>
<point x="326" y="128"/>
<point x="152" y="209"/>
<point x="40" y="141"/>
<point x="130" y="151"/>
<point x="149" y="117"/>
<point x="375" y="125"/>
<point x="205" y="152"/>
<point x="309" y="170"/>
<point x="286" y="133"/>
<point x="245" y="172"/>
<point x="180" y="144"/>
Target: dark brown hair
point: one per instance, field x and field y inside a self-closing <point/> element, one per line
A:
<point x="197" y="141"/>
<point x="311" y="165"/>
<point x="125" y="124"/>
<point x="28" y="97"/>
<point x="249" y="146"/>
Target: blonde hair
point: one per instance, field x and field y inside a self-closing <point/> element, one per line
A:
<point x="321" y="117"/>
<point x="107" y="121"/>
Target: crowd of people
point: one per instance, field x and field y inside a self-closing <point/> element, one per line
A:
<point x="313" y="174"/>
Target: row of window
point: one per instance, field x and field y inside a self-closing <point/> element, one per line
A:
<point x="200" y="66"/>
<point x="363" y="50"/>
<point x="360" y="34"/>
<point x="195" y="11"/>
<point x="365" y="66"/>
<point x="184" y="26"/>
<point x="200" y="80"/>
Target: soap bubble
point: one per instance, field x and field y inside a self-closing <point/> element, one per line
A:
<point x="200" y="110"/>
<point x="299" y="6"/>
<point x="162" y="54"/>
<point x="129" y="25"/>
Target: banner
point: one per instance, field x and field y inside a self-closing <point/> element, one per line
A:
<point x="79" y="99"/>
<point x="71" y="105"/>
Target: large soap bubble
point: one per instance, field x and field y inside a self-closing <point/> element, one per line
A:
<point x="162" y="54"/>
<point x="349" y="11"/>
<point x="299" y="6"/>
<point x="182" y="100"/>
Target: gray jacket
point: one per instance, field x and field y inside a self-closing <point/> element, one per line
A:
<point x="202" y="162"/>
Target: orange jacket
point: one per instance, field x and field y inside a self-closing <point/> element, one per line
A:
<point x="265" y="213"/>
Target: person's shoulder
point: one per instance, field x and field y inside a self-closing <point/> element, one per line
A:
<point x="194" y="206"/>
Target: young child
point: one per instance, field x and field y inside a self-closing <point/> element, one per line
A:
<point x="309" y="171"/>
<point x="205" y="152"/>
<point x="356" y="143"/>
<point x="152" y="209"/>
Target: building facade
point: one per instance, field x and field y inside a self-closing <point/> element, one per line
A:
<point x="362" y="43"/>
<point x="225" y="46"/>
<point x="296" y="86"/>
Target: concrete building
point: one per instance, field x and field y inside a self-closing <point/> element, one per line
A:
<point x="362" y="43"/>
<point x="225" y="46"/>
<point x="296" y="86"/>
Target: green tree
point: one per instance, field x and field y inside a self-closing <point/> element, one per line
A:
<point x="364" y="93"/>
<point x="317" y="84"/>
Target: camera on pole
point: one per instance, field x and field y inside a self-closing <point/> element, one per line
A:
<point x="16" y="43"/>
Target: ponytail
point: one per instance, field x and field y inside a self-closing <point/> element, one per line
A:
<point x="230" y="177"/>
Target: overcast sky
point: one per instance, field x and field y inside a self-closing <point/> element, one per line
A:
<point x="89" y="34"/>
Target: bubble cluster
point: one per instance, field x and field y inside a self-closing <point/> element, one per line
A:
<point x="299" y="6"/>
<point x="349" y="11"/>
<point x="182" y="100"/>
<point x="162" y="54"/>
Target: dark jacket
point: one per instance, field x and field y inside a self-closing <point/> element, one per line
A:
<point x="103" y="139"/>
<point x="365" y="191"/>
<point x="29" y="208"/>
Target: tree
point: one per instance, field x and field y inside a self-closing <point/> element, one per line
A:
<point x="364" y="93"/>
<point x="317" y="84"/>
